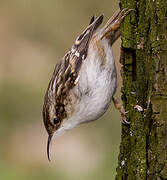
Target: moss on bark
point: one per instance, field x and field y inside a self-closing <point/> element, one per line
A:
<point x="143" y="149"/>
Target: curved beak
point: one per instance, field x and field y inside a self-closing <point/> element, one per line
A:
<point x="48" y="145"/>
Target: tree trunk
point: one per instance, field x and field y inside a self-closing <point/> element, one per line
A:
<point x="143" y="149"/>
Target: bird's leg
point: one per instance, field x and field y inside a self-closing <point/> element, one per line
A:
<point x="121" y="109"/>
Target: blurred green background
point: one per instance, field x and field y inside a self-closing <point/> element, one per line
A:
<point x="34" y="35"/>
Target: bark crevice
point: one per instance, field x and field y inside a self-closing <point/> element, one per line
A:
<point x="143" y="149"/>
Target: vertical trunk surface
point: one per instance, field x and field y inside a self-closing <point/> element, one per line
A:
<point x="143" y="149"/>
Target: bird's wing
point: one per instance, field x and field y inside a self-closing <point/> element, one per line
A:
<point x="65" y="74"/>
<point x="64" y="78"/>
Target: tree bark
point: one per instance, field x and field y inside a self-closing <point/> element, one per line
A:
<point x="143" y="149"/>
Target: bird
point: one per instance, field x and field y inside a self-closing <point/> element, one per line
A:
<point x="84" y="81"/>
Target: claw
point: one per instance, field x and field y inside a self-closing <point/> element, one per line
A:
<point x="121" y="110"/>
<point x="123" y="118"/>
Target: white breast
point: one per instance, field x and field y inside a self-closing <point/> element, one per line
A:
<point x="97" y="83"/>
<point x="96" y="86"/>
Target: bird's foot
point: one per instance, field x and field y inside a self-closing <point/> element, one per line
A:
<point x="121" y="109"/>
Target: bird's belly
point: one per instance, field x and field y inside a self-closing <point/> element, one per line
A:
<point x="96" y="86"/>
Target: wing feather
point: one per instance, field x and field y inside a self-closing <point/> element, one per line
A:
<point x="63" y="80"/>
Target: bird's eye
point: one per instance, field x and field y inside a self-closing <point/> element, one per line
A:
<point x="56" y="120"/>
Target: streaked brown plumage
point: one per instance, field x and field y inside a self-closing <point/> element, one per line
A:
<point x="75" y="92"/>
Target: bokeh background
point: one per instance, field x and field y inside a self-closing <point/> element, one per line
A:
<point x="34" y="35"/>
